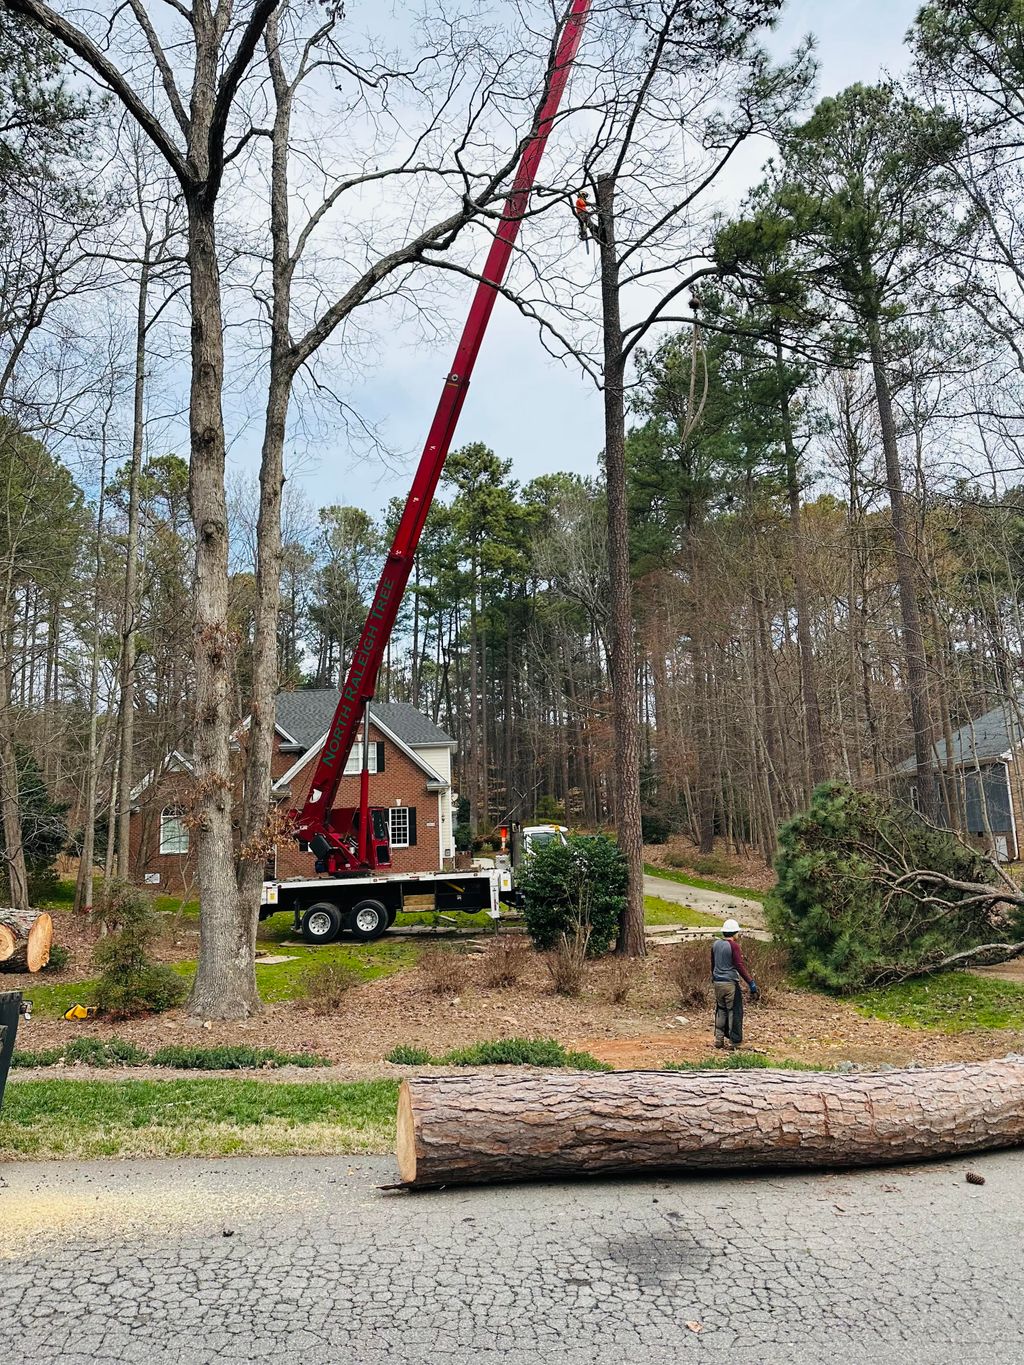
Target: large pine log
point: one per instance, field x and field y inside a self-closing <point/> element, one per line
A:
<point x="468" y="1129"/>
<point x="31" y="934"/>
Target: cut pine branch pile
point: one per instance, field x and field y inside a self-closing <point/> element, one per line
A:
<point x="474" y="1129"/>
<point x="25" y="940"/>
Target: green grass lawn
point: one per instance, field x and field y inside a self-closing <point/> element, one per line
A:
<point x="63" y="898"/>
<point x="276" y="981"/>
<point x="953" y="1002"/>
<point x="658" y="911"/>
<point x="83" y="1119"/>
<point x="671" y="874"/>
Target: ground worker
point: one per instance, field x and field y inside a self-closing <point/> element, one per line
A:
<point x="727" y="968"/>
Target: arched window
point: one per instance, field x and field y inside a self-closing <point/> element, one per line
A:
<point x="173" y="830"/>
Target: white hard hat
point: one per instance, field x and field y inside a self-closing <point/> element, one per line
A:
<point x="730" y="927"/>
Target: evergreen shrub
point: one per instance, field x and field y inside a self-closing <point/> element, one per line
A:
<point x="130" y="982"/>
<point x="836" y="910"/>
<point x="573" y="888"/>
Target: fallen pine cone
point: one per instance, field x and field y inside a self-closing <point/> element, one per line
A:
<point x="973" y="1178"/>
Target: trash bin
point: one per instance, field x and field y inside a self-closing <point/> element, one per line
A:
<point x="12" y="1007"/>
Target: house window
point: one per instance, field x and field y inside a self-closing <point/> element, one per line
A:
<point x="354" y="763"/>
<point x="403" y="826"/>
<point x="173" y="830"/>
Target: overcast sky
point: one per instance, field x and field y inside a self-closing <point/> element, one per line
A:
<point x="530" y="409"/>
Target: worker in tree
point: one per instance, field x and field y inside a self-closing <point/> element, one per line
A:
<point x="582" y="210"/>
<point x="727" y="970"/>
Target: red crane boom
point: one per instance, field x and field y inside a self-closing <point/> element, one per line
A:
<point x="355" y="839"/>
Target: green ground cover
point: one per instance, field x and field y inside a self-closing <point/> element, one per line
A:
<point x="672" y="874"/>
<point x="658" y="911"/>
<point x="743" y="1061"/>
<point x="276" y="981"/>
<point x="108" y="1052"/>
<point x="82" y="1119"/>
<point x="953" y="1002"/>
<point x="63" y="898"/>
<point x="501" y="1052"/>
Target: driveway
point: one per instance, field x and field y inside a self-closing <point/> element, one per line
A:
<point x="750" y="913"/>
<point x="130" y="1262"/>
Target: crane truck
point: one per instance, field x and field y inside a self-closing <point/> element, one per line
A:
<point x="353" y="889"/>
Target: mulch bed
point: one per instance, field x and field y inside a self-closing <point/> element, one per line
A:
<point x="649" y="1029"/>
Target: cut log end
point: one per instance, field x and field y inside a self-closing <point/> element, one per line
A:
<point x="30" y="933"/>
<point x="405" y="1144"/>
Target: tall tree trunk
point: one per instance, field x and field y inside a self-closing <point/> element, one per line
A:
<point x="83" y="884"/>
<point x="474" y="711"/>
<point x="808" y="682"/>
<point x="225" y="984"/>
<point x="623" y="662"/>
<point x="907" y="581"/>
<point x="257" y="839"/>
<point x="10" y="806"/>
<point x="129" y="610"/>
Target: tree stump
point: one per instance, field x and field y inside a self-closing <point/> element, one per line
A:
<point x="25" y="939"/>
<point x="471" y="1129"/>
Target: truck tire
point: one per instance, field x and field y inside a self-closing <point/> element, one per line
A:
<point x="367" y="920"/>
<point x="392" y="916"/>
<point x="321" y="923"/>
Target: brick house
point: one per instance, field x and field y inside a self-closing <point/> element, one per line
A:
<point x="982" y="776"/>
<point x="410" y="774"/>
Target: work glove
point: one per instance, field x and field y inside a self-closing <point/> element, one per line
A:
<point x="754" y="990"/>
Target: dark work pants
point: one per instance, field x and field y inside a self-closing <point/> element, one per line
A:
<point x="729" y="1011"/>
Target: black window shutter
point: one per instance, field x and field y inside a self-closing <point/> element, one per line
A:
<point x="380" y="755"/>
<point x="412" y="826"/>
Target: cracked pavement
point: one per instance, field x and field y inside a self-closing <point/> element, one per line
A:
<point x="129" y="1262"/>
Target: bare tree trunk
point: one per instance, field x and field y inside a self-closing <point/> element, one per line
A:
<point x="474" y="712"/>
<point x="623" y="662"/>
<point x="14" y="851"/>
<point x="808" y="682"/>
<point x="129" y="610"/>
<point x="225" y="980"/>
<point x="108" y="856"/>
<point x="907" y="582"/>
<point x="257" y="839"/>
<point x="83" y="884"/>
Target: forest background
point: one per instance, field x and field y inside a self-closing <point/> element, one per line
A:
<point x="821" y="384"/>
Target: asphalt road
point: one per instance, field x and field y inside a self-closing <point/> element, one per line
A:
<point x="105" y="1262"/>
<point x="750" y="913"/>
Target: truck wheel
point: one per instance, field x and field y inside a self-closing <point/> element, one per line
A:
<point x="321" y="923"/>
<point x="392" y="916"/>
<point x="367" y="920"/>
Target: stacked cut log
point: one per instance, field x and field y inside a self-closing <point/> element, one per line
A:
<point x="25" y="940"/>
<point x="470" y="1129"/>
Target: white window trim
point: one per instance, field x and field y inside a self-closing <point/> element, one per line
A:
<point x="168" y="815"/>
<point x="354" y="764"/>
<point x="392" y="812"/>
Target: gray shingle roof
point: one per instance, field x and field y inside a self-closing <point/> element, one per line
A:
<point x="987" y="737"/>
<point x="306" y="715"/>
